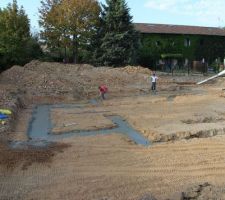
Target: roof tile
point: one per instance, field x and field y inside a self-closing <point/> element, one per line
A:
<point x="178" y="29"/>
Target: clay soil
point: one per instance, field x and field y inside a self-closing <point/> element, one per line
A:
<point x="184" y="123"/>
<point x="67" y="120"/>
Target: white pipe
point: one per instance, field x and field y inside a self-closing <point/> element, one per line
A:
<point x="219" y="74"/>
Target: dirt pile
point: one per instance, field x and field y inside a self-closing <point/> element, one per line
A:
<point x="203" y="192"/>
<point x="10" y="99"/>
<point x="136" y="69"/>
<point x="8" y="94"/>
<point x="45" y="82"/>
<point x="74" y="81"/>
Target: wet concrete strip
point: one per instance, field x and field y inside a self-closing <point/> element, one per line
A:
<point x="68" y="106"/>
<point x="40" y="124"/>
<point x="40" y="128"/>
<point x="94" y="102"/>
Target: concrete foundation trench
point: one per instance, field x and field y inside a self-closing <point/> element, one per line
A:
<point x="40" y="128"/>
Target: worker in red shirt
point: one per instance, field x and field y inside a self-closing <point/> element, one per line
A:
<point x="103" y="89"/>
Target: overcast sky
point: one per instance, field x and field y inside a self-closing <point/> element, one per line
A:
<point x="181" y="12"/>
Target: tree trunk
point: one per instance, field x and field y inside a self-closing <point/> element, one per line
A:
<point x="75" y="49"/>
<point x="65" y="55"/>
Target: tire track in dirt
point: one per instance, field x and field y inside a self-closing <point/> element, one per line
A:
<point x="111" y="167"/>
<point x="119" y="178"/>
<point x="117" y="170"/>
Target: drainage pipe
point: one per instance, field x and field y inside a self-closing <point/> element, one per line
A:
<point x="218" y="75"/>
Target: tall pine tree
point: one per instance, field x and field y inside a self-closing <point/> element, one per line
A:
<point x="119" y="41"/>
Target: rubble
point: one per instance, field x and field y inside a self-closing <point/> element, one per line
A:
<point x="75" y="81"/>
<point x="203" y="191"/>
<point x="47" y="82"/>
<point x="136" y="69"/>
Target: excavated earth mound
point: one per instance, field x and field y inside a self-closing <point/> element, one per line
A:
<point x="49" y="82"/>
<point x="72" y="81"/>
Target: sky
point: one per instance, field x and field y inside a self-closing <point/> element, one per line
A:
<point x="179" y="12"/>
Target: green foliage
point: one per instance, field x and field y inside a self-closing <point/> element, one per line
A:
<point x="212" y="47"/>
<point x="216" y="65"/>
<point x="154" y="45"/>
<point x="119" y="41"/>
<point x="32" y="48"/>
<point x="69" y="25"/>
<point x="171" y="55"/>
<point x="16" y="43"/>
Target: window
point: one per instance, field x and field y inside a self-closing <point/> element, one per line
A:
<point x="187" y="42"/>
<point x="157" y="43"/>
<point x="173" y="43"/>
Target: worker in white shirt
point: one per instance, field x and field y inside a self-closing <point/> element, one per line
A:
<point x="153" y="80"/>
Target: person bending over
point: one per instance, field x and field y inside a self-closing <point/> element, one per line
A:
<point x="103" y="90"/>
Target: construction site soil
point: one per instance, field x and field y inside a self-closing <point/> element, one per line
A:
<point x="182" y="122"/>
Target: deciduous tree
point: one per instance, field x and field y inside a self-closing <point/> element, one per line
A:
<point x="69" y="23"/>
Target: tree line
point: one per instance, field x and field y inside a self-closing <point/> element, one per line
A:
<point x="76" y="31"/>
<point x="17" y="44"/>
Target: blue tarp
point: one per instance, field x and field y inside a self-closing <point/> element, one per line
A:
<point x="2" y="116"/>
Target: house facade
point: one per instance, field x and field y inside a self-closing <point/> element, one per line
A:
<point x="164" y="47"/>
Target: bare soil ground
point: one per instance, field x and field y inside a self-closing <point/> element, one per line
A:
<point x="67" y="120"/>
<point x="184" y="122"/>
<point x="26" y="156"/>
